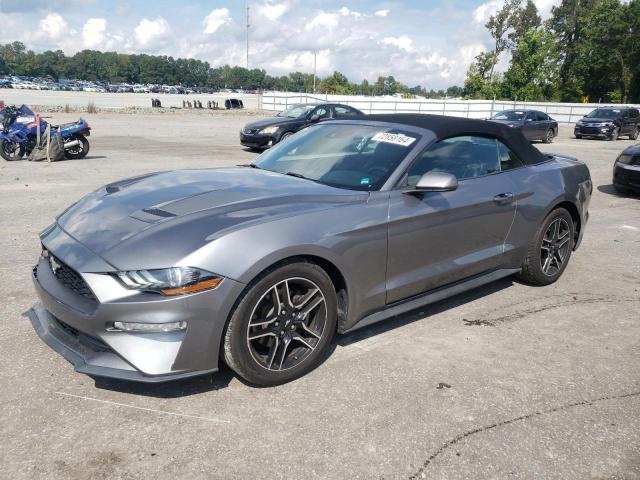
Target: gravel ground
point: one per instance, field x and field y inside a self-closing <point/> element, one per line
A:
<point x="508" y="381"/>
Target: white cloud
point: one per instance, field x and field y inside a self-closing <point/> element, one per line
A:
<point x="403" y="43"/>
<point x="323" y="20"/>
<point x="53" y="25"/>
<point x="382" y="13"/>
<point x="468" y="53"/>
<point x="272" y="11"/>
<point x="217" y="18"/>
<point x="544" y="7"/>
<point x="344" y="11"/>
<point x="304" y="62"/>
<point x="482" y="12"/>
<point x="148" y="32"/>
<point x="94" y="32"/>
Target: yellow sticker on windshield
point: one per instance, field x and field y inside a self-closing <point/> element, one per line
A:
<point x="395" y="138"/>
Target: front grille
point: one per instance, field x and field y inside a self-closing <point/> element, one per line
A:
<point x="590" y="130"/>
<point x="94" y="343"/>
<point x="70" y="278"/>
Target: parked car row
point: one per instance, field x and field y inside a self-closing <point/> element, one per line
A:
<point x="35" y="83"/>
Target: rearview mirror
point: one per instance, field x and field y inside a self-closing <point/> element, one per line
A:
<point x="434" y="182"/>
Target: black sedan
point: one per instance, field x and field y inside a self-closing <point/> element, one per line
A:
<point x="609" y="123"/>
<point x="269" y="131"/>
<point x="534" y="125"/>
<point x="626" y="170"/>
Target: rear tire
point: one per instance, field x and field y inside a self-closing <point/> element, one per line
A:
<point x="548" y="137"/>
<point x="550" y="249"/>
<point x="76" y="153"/>
<point x="282" y="326"/>
<point x="10" y="151"/>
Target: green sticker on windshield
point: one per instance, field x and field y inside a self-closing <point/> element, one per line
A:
<point x="364" y="181"/>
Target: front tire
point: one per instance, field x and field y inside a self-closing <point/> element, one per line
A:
<point x="282" y="325"/>
<point x="614" y="135"/>
<point x="550" y="249"/>
<point x="284" y="136"/>
<point x="11" y="151"/>
<point x="634" y="134"/>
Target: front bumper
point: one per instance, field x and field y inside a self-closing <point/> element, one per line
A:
<point x="595" y="132"/>
<point x="627" y="176"/>
<point x="257" y="140"/>
<point x="77" y="328"/>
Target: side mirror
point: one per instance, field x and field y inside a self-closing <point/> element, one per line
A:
<point x="314" y="118"/>
<point x="434" y="182"/>
<point x="529" y="119"/>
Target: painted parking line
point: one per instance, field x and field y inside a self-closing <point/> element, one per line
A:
<point x="163" y="412"/>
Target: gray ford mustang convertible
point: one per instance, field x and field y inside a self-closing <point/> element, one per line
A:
<point x="346" y="223"/>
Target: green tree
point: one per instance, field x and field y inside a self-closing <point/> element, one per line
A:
<point x="603" y="65"/>
<point x="523" y="19"/>
<point x="480" y="81"/>
<point x="533" y="70"/>
<point x="567" y="23"/>
<point x="498" y="26"/>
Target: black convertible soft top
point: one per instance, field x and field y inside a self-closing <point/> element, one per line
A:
<point x="447" y="127"/>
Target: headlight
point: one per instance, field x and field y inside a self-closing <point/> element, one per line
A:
<point x="269" y="130"/>
<point x="580" y="123"/>
<point x="626" y="159"/>
<point x="170" y="281"/>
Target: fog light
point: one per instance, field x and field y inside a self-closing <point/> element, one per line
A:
<point x="604" y="130"/>
<point x="149" y="327"/>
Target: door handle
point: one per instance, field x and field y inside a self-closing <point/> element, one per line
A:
<point x="503" y="198"/>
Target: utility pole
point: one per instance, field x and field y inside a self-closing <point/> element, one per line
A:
<point x="315" y="54"/>
<point x="247" y="7"/>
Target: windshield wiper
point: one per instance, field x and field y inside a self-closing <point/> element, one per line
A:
<point x="299" y="175"/>
<point x="250" y="165"/>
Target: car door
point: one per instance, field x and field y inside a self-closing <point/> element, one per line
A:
<point x="627" y="123"/>
<point x="544" y="124"/>
<point x="529" y="126"/>
<point x="437" y="238"/>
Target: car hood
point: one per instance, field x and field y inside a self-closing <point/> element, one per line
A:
<point x="598" y="120"/>
<point x="162" y="217"/>
<point x="267" y="122"/>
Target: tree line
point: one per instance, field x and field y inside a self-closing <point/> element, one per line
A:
<point x="112" y="67"/>
<point x="588" y="50"/>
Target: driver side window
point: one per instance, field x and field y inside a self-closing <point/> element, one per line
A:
<point x="464" y="157"/>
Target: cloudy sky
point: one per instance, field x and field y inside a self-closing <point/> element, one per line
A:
<point x="426" y="42"/>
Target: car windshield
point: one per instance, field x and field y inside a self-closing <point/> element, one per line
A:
<point x="604" y="113"/>
<point x="297" y="111"/>
<point x="354" y="157"/>
<point x="509" y="115"/>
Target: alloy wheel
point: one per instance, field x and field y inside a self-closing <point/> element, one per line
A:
<point x="287" y="324"/>
<point x="555" y="246"/>
<point x="549" y="136"/>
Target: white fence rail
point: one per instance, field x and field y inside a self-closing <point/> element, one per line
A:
<point x="562" y="112"/>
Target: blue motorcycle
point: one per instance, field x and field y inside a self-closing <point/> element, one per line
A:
<point x="19" y="134"/>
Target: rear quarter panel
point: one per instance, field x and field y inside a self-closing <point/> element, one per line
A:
<point x="540" y="189"/>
